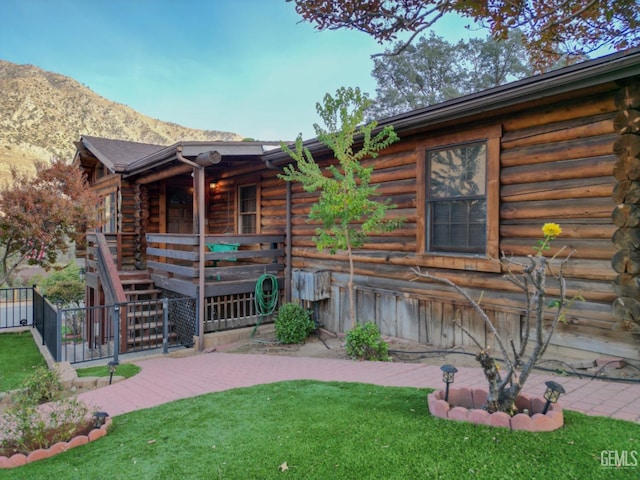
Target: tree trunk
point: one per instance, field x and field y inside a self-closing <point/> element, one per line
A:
<point x="498" y="400"/>
<point x="352" y="300"/>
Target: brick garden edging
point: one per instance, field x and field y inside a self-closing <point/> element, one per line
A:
<point x="467" y="405"/>
<point x="20" y="459"/>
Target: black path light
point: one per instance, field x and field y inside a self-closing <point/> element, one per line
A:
<point x="551" y="395"/>
<point x="99" y="419"/>
<point x="113" y="365"/>
<point x="448" y="373"/>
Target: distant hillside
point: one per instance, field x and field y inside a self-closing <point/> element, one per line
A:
<point x="43" y="113"/>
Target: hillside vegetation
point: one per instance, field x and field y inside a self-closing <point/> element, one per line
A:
<point x="43" y="113"/>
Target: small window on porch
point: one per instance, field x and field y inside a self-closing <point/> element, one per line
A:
<point x="248" y="209"/>
<point x="108" y="213"/>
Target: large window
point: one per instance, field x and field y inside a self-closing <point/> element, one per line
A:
<point x="457" y="200"/>
<point x="248" y="209"/>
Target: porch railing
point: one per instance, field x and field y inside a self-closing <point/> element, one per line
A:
<point x="233" y="263"/>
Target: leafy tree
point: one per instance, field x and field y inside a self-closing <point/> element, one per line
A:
<point x="423" y="74"/>
<point x="490" y="63"/>
<point x="347" y="206"/>
<point x="433" y="70"/>
<point x="551" y="28"/>
<point x="40" y="213"/>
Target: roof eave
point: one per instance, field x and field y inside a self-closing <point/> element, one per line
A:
<point x="583" y="75"/>
<point x="193" y="149"/>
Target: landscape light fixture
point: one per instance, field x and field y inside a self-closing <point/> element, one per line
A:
<point x="448" y="374"/>
<point x="551" y="395"/>
<point x="113" y="365"/>
<point x="99" y="419"/>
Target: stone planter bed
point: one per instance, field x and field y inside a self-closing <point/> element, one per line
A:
<point x="467" y="405"/>
<point x="20" y="459"/>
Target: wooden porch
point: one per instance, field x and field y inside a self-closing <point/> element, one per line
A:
<point x="233" y="263"/>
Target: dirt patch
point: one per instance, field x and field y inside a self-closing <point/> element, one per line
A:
<point x="326" y="344"/>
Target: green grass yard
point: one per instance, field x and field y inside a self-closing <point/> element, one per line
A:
<point x="19" y="355"/>
<point x="332" y="431"/>
<point x="126" y="370"/>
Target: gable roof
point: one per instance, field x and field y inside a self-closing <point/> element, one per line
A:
<point x="135" y="158"/>
<point x="117" y="155"/>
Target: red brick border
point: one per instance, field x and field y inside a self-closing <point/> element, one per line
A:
<point x="20" y="459"/>
<point x="467" y="405"/>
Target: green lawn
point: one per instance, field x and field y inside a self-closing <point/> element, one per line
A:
<point x="126" y="370"/>
<point x="332" y="431"/>
<point x="19" y="355"/>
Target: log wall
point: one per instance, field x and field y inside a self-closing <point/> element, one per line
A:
<point x="626" y="216"/>
<point x="557" y="165"/>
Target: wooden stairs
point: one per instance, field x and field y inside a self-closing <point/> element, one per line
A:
<point x="144" y="315"/>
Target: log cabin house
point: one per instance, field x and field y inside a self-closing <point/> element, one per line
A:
<point x="471" y="177"/>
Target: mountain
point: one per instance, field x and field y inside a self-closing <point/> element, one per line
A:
<point x="43" y="113"/>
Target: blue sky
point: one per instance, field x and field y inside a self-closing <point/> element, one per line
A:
<point x="246" y="66"/>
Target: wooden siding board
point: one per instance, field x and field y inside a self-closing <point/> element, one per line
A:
<point x="386" y="314"/>
<point x="365" y="305"/>
<point x="408" y="319"/>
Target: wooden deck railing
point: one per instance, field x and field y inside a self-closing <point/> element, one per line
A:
<point x="233" y="263"/>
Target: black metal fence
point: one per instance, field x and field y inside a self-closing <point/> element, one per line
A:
<point x="16" y="307"/>
<point x="93" y="333"/>
<point x="83" y="334"/>
<point x="45" y="317"/>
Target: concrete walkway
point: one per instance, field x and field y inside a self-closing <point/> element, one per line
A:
<point x="166" y="379"/>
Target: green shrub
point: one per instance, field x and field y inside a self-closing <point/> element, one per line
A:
<point x="365" y="343"/>
<point x="293" y="324"/>
<point x="42" y="386"/>
<point x="26" y="427"/>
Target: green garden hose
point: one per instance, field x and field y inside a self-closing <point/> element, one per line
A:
<point x="266" y="301"/>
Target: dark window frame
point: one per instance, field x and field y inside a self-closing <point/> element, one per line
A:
<point x="479" y="261"/>
<point x="432" y="200"/>
<point x="242" y="214"/>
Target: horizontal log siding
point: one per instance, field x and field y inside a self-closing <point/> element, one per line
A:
<point x="561" y="171"/>
<point x="556" y="166"/>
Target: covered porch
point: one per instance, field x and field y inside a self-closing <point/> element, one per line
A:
<point x="185" y="221"/>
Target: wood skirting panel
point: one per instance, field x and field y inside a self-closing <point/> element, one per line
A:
<point x="427" y="317"/>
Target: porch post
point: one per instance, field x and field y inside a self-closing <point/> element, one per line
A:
<point x="201" y="244"/>
<point x="198" y="186"/>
